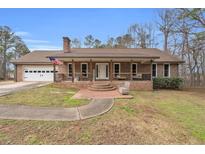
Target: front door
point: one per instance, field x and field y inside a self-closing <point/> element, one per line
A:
<point x="102" y="71"/>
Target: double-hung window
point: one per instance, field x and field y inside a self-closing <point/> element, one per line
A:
<point x="166" y="70"/>
<point x="70" y="71"/>
<point x="134" y="69"/>
<point x="154" y="70"/>
<point x="84" y="69"/>
<point x="116" y="69"/>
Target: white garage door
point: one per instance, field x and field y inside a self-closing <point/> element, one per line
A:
<point x="38" y="73"/>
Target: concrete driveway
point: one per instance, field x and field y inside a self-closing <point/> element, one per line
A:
<point x="11" y="87"/>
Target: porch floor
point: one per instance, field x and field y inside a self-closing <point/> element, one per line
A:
<point x="87" y="94"/>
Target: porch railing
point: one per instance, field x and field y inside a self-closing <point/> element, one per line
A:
<point x="90" y="76"/>
<point x="77" y="77"/>
<point x="131" y="76"/>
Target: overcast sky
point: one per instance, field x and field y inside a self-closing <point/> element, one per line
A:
<point x="44" y="28"/>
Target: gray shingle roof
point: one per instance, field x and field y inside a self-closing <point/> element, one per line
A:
<point x="40" y="56"/>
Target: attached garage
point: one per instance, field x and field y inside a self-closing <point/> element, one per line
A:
<point x="38" y="73"/>
<point x="35" y="66"/>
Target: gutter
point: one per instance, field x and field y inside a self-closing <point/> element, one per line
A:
<point x="100" y="57"/>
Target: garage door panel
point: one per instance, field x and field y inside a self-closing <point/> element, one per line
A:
<point x="38" y="73"/>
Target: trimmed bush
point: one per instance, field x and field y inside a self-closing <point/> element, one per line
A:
<point x="167" y="83"/>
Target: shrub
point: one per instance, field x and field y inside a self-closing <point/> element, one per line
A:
<point x="167" y="83"/>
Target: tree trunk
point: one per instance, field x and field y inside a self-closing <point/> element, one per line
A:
<point x="4" y="64"/>
<point x="203" y="68"/>
<point x="198" y="76"/>
<point x="165" y="41"/>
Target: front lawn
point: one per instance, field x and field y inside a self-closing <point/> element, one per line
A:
<point x="51" y="95"/>
<point x="160" y="117"/>
<point x="184" y="107"/>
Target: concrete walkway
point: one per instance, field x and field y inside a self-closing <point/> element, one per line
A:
<point x="95" y="108"/>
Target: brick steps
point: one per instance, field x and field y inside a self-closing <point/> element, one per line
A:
<point x="101" y="87"/>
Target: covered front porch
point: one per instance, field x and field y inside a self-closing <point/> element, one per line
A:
<point x="96" y="69"/>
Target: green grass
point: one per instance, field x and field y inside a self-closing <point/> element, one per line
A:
<point x="187" y="108"/>
<point x="128" y="109"/>
<point x="51" y="95"/>
<point x="32" y="139"/>
<point x="159" y="117"/>
<point x="187" y="111"/>
<point x="86" y="137"/>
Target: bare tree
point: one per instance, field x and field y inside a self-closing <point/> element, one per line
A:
<point x="76" y="43"/>
<point x="166" y="24"/>
<point x="196" y="14"/>
<point x="110" y="43"/>
<point x="192" y="46"/>
<point x="124" y="41"/>
<point x="143" y="35"/>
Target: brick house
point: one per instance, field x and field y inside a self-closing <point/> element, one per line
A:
<point x="82" y="66"/>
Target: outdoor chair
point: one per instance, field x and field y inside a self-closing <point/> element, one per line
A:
<point x="124" y="88"/>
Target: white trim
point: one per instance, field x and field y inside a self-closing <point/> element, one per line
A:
<point x="136" y="68"/>
<point x="86" y="69"/>
<point x="152" y="69"/>
<point x="106" y="78"/>
<point x="119" y="67"/>
<point x="68" y="68"/>
<point x="168" y="71"/>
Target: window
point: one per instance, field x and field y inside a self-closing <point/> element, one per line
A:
<point x="154" y="70"/>
<point x="39" y="71"/>
<point x="84" y="69"/>
<point x="106" y="71"/>
<point x="96" y="71"/>
<point x="26" y="71"/>
<point x="166" y="70"/>
<point x="34" y="71"/>
<point x="47" y="71"/>
<point x="134" y="69"/>
<point x="43" y="71"/>
<point x="70" y="71"/>
<point x="117" y="69"/>
<point x="30" y="71"/>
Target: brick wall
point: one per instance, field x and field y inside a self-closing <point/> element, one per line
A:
<point x="62" y="68"/>
<point x="136" y="85"/>
<point x="173" y="70"/>
<point x="160" y="70"/>
<point x="19" y="73"/>
<point x="144" y="68"/>
<point x="125" y="68"/>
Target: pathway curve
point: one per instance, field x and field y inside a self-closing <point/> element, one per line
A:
<point x="94" y="108"/>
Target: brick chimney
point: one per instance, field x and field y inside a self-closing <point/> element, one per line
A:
<point x="66" y="44"/>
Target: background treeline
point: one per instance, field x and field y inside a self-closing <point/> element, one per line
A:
<point x="11" y="47"/>
<point x="180" y="32"/>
